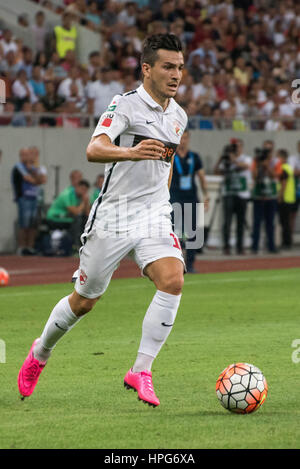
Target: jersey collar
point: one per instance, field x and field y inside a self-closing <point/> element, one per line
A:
<point x="150" y="101"/>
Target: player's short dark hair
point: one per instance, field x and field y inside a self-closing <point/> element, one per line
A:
<point x="159" y="41"/>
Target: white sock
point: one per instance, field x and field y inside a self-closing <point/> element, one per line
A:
<point x="142" y="362"/>
<point x="157" y="326"/>
<point x="61" y="320"/>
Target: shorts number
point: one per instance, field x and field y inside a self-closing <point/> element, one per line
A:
<point x="176" y="241"/>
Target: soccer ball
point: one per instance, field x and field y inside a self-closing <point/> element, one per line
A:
<point x="241" y="388"/>
<point x="4" y="277"/>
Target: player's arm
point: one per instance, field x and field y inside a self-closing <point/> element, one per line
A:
<point x="218" y="170"/>
<point x="29" y="176"/>
<point x="83" y="207"/>
<point x="76" y="210"/>
<point x="243" y="165"/>
<point x="102" y="150"/>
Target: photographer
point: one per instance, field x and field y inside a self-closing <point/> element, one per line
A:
<point x="235" y="166"/>
<point x="264" y="195"/>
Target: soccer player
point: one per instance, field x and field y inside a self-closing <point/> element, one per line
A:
<point x="136" y="137"/>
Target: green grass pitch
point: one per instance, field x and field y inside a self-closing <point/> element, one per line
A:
<point x="80" y="401"/>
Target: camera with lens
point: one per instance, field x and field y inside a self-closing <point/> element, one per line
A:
<point x="227" y="152"/>
<point x="262" y="154"/>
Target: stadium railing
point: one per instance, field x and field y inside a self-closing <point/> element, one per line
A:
<point x="195" y="122"/>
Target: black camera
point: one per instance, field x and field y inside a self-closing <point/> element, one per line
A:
<point x="227" y="152"/>
<point x="262" y="154"/>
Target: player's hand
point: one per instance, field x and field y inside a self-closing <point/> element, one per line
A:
<point x="147" y="150"/>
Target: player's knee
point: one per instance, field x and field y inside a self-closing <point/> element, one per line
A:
<point x="172" y="284"/>
<point x="85" y="306"/>
<point x="81" y="306"/>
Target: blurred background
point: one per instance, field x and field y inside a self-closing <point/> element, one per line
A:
<point x="61" y="63"/>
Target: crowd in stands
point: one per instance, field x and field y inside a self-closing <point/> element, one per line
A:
<point x="241" y="57"/>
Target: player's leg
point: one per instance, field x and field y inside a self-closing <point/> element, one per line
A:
<point x="95" y="271"/>
<point x="64" y="316"/>
<point x="97" y="264"/>
<point x="66" y="313"/>
<point x="167" y="275"/>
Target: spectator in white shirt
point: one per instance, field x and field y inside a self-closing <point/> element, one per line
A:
<point x="273" y="124"/>
<point x="94" y="62"/>
<point x="22" y="90"/>
<point x="39" y="31"/>
<point x="205" y="91"/>
<point x="101" y="92"/>
<point x="9" y="65"/>
<point x="128" y="15"/>
<point x="67" y="85"/>
<point x="7" y="43"/>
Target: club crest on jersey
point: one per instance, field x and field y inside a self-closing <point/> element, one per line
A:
<point x="177" y="129"/>
<point x="107" y="120"/>
<point x="82" y="277"/>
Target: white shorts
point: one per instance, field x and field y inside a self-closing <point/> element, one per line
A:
<point x="100" y="257"/>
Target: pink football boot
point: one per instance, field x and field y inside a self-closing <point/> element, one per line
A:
<point x="142" y="383"/>
<point x="29" y="374"/>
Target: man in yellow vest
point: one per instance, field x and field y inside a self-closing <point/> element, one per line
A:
<point x="286" y="198"/>
<point x="65" y="36"/>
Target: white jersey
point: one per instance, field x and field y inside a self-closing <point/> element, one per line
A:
<point x="294" y="161"/>
<point x="134" y="189"/>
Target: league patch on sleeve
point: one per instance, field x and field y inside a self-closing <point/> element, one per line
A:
<point x="107" y="120"/>
<point x="112" y="106"/>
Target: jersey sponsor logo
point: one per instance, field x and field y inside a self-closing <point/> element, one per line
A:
<point x="167" y="154"/>
<point x="170" y="148"/>
<point x="150" y="122"/>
